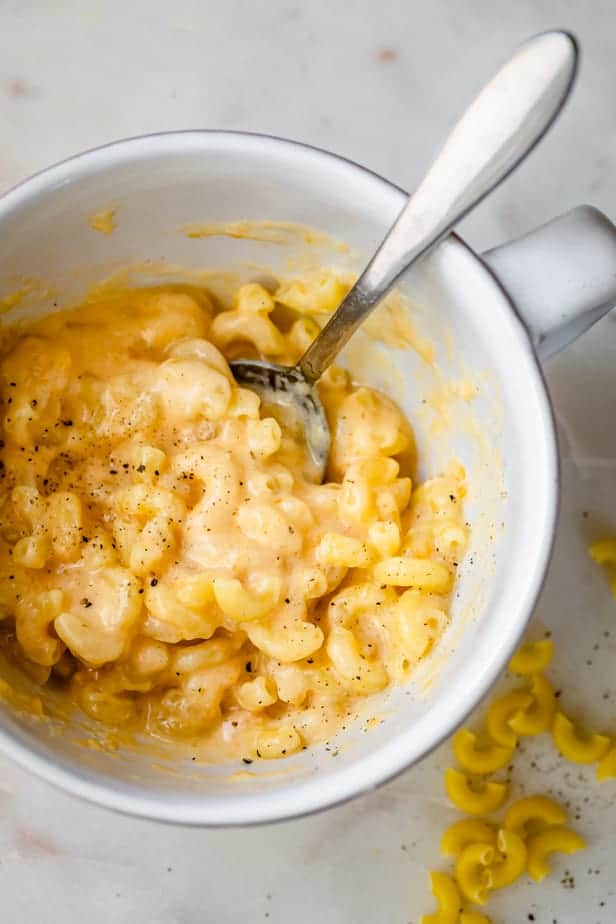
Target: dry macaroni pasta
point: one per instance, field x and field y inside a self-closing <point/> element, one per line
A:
<point x="578" y="749"/>
<point x="538" y="717"/>
<point x="552" y="840"/>
<point x="533" y="810"/>
<point x="604" y="553"/>
<point x="448" y="899"/>
<point x="163" y="553"/>
<point x="476" y="759"/>
<point x="474" y="797"/>
<point x="487" y="857"/>
<point x="467" y="831"/>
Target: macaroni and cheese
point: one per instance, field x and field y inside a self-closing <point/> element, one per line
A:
<point x="163" y="555"/>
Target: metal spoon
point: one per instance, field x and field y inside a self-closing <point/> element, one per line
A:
<point x="510" y="115"/>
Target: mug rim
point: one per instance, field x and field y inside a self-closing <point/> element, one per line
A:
<point x="189" y="810"/>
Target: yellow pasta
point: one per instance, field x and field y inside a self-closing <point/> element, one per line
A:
<point x="448" y="899"/>
<point x="248" y="321"/>
<point x="511" y="859"/>
<point x="149" y="463"/>
<point x="358" y="674"/>
<point x="532" y="658"/>
<point x="98" y="627"/>
<point x="419" y="623"/>
<point x="300" y="639"/>
<point x="552" y="840"/>
<point x="173" y="566"/>
<point x="604" y="551"/>
<point x="533" y="810"/>
<point x="575" y="747"/>
<point x="194" y="590"/>
<point x="607" y="766"/>
<point x="475" y="759"/>
<point x="152" y="546"/>
<point x="256" y="694"/>
<point x="481" y="799"/>
<point x="343" y="551"/>
<point x="302" y="333"/>
<point x="499" y="714"/>
<point x="474" y="872"/>
<point x="384" y="538"/>
<point x="431" y="576"/>
<point x="275" y="743"/>
<point x="243" y="605"/>
<point x="537" y="718"/>
<point x="488" y="859"/>
<point x="32" y="551"/>
<point x="467" y="831"/>
<point x="319" y="292"/>
<point x="34" y="623"/>
<point x="171" y="619"/>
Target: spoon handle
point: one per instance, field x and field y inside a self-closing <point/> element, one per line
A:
<point x="510" y="115"/>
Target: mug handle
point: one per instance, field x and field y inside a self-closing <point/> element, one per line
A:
<point x="561" y="277"/>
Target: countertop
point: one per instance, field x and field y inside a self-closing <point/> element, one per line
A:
<point x="378" y="83"/>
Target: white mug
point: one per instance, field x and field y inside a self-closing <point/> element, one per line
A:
<point x="487" y="318"/>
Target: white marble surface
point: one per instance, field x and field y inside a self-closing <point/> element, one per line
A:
<point x="378" y="83"/>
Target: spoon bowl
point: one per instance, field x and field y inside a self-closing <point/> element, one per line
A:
<point x="287" y="395"/>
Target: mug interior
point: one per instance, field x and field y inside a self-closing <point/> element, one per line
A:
<point x="467" y="378"/>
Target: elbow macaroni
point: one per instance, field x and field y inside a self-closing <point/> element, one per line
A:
<point x="575" y="747"/>
<point x="511" y="854"/>
<point x="474" y="872"/>
<point x="448" y="898"/>
<point x="479" y="799"/>
<point x="171" y="565"/>
<point x="487" y="858"/>
<point x="537" y="718"/>
<point x="552" y="840"/>
<point x="604" y="553"/>
<point x="499" y="715"/>
<point x="476" y="759"/>
<point x="607" y="766"/>
<point x="467" y="831"/>
<point x="533" y="810"/>
<point x="532" y="658"/>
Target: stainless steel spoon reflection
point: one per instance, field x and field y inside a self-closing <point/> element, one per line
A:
<point x="506" y="120"/>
